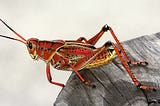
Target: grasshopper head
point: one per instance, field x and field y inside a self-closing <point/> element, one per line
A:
<point x="32" y="47"/>
<point x="30" y="43"/>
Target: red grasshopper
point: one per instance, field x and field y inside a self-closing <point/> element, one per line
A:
<point x="78" y="54"/>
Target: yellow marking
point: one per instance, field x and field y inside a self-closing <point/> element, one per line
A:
<point x="102" y="62"/>
<point x="34" y="53"/>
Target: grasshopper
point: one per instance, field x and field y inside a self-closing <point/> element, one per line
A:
<point x="75" y="55"/>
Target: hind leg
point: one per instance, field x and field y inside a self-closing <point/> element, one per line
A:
<point x="134" y="79"/>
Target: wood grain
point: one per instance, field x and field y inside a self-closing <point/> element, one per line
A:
<point x="114" y="87"/>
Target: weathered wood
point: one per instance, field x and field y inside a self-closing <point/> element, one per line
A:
<point x="114" y="87"/>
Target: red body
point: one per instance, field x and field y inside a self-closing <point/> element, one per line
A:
<point x="62" y="54"/>
<point x="78" y="54"/>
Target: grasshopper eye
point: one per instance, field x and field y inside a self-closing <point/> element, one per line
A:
<point x="30" y="45"/>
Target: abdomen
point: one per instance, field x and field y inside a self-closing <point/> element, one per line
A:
<point x="103" y="58"/>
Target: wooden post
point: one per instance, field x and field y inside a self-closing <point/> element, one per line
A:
<point x="114" y="87"/>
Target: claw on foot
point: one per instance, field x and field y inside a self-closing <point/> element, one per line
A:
<point x="143" y="87"/>
<point x="89" y="84"/>
<point x="142" y="63"/>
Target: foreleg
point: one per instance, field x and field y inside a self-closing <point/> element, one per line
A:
<point x="50" y="78"/>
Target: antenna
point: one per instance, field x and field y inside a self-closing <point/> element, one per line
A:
<point x="24" y="40"/>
